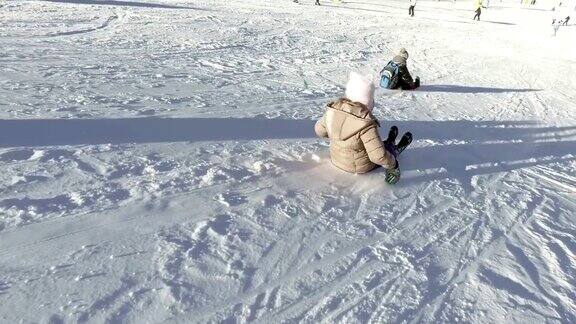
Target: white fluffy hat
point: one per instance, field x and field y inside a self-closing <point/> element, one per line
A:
<point x="360" y="89"/>
<point x="403" y="52"/>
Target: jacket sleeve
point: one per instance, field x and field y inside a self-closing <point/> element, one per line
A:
<point x="320" y="128"/>
<point x="375" y="148"/>
<point x="407" y="82"/>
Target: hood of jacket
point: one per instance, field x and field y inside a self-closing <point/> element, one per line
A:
<point x="345" y="118"/>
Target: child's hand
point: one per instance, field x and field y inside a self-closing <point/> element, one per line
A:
<point x="393" y="175"/>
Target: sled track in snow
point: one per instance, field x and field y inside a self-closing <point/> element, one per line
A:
<point x="102" y="26"/>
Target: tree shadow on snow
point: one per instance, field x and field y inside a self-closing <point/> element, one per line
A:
<point x="126" y="4"/>
<point x="464" y="89"/>
<point x="442" y="149"/>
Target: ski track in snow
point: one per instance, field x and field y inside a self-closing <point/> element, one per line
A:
<point x="158" y="164"/>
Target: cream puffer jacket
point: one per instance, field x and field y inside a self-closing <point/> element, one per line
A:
<point x="355" y="145"/>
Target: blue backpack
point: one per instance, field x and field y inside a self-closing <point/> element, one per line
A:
<point x="389" y="76"/>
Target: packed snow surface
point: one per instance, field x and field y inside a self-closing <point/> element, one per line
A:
<point x="158" y="164"/>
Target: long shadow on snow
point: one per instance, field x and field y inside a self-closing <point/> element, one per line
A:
<point x="356" y="9"/>
<point x="499" y="22"/>
<point x="461" y="149"/>
<point x="388" y="12"/>
<point x="404" y="7"/>
<point x="54" y="132"/>
<point x="398" y="8"/>
<point x="125" y="4"/>
<point x="375" y="5"/>
<point x="464" y="89"/>
<point x="462" y="162"/>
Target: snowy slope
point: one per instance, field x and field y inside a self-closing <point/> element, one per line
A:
<point x="158" y="164"/>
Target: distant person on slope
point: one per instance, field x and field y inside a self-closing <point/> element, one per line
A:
<point x="566" y="20"/>
<point x="395" y="74"/>
<point x="411" y="8"/>
<point x="355" y="145"/>
<point x="478" y="10"/>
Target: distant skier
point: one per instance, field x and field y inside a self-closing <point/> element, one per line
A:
<point x="566" y="20"/>
<point x="395" y="74"/>
<point x="478" y="10"/>
<point x="355" y="145"/>
<point x="557" y="25"/>
<point x="411" y="8"/>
